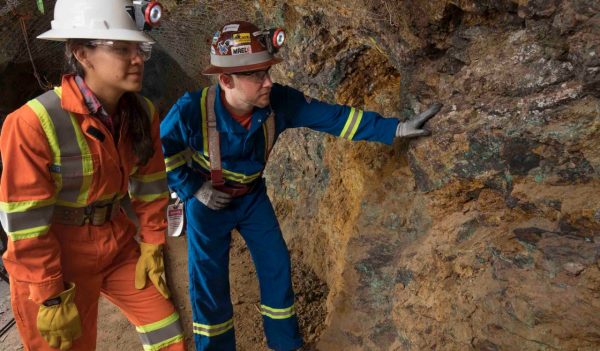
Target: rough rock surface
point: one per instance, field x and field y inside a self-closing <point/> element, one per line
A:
<point x="484" y="236"/>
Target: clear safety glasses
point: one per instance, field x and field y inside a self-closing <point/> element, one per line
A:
<point x="125" y="49"/>
<point x="255" y="76"/>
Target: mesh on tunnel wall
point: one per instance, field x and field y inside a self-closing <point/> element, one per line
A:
<point x="184" y="33"/>
<point x="47" y="55"/>
<point x="180" y="53"/>
<point x="187" y="30"/>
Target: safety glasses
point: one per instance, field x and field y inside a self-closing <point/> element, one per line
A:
<point x="255" y="76"/>
<point x="126" y="50"/>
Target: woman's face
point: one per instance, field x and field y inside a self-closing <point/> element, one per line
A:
<point x="114" y="65"/>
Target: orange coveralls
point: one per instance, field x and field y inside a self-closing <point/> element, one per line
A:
<point x="99" y="259"/>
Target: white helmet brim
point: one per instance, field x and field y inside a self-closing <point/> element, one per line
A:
<point x="84" y="33"/>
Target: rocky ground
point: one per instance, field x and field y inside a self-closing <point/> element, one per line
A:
<point x="115" y="333"/>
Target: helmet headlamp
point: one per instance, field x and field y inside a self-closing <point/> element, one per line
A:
<point x="147" y="14"/>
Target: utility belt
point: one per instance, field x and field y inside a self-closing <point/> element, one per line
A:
<point x="96" y="213"/>
<point x="234" y="189"/>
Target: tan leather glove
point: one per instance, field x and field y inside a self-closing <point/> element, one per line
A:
<point x="151" y="264"/>
<point x="58" y="319"/>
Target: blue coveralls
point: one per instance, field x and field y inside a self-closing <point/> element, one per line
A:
<point x="243" y="160"/>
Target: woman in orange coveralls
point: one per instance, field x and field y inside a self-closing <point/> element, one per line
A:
<point x="69" y="156"/>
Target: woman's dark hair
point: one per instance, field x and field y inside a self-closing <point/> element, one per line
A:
<point x="136" y="122"/>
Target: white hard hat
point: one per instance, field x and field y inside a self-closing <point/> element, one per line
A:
<point x="94" y="19"/>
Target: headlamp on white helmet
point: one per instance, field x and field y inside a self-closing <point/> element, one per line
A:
<point x="146" y="14"/>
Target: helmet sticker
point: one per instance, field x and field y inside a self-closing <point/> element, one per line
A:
<point x="215" y="37"/>
<point x="224" y="46"/>
<point x="240" y="50"/>
<point x="241" y="38"/>
<point x="231" y="28"/>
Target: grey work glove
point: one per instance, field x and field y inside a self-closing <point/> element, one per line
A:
<point x="412" y="128"/>
<point x="211" y="197"/>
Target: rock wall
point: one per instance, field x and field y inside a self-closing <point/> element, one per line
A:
<point x="484" y="236"/>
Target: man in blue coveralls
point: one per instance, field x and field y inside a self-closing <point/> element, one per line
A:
<point x="229" y="130"/>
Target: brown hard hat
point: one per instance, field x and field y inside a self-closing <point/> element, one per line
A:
<point x="239" y="47"/>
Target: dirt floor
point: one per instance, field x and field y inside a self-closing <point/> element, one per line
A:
<point x="115" y="332"/>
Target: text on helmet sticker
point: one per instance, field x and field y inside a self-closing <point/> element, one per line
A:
<point x="241" y="38"/>
<point x="231" y="28"/>
<point x="240" y="50"/>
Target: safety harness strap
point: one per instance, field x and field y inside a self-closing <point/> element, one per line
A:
<point x="270" y="125"/>
<point x="214" y="146"/>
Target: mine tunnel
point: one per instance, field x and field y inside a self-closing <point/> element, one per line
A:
<point x="484" y="235"/>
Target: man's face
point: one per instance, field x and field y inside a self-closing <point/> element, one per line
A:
<point x="252" y="88"/>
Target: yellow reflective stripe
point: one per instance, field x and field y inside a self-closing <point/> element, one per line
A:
<point x="48" y="128"/>
<point x="29" y="233"/>
<point x="349" y="120"/>
<point x="150" y="198"/>
<point x="277" y="310"/>
<point x="214" y="326"/>
<point x="204" y="123"/>
<point x="277" y="313"/>
<point x="157" y="325"/>
<point x="356" y="124"/>
<point x="352" y="123"/>
<point x="86" y="160"/>
<point x="175" y="165"/>
<point x="22" y="206"/>
<point x="175" y="161"/>
<point x="229" y="175"/>
<point x="163" y="344"/>
<point x="147" y="178"/>
<point x="213" y="330"/>
<point x="58" y="91"/>
<point x="150" y="108"/>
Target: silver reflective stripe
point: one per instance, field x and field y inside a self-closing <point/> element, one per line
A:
<point x="32" y="218"/>
<point x="138" y="187"/>
<point x="165" y="333"/>
<point x="170" y="162"/>
<point x="352" y="118"/>
<point x="277" y="313"/>
<point x="213" y="331"/>
<point x="240" y="60"/>
<point x="71" y="162"/>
